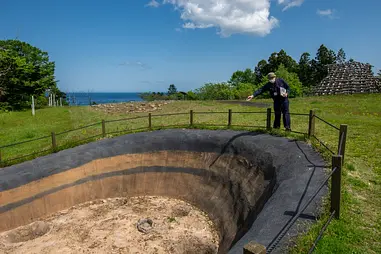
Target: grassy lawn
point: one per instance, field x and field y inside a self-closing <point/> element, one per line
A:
<point x="358" y="230"/>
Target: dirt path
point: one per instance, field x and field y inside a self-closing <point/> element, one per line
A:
<point x="249" y="103"/>
<point x="110" y="226"/>
<point x="130" y="107"/>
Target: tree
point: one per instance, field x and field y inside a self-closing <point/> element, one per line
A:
<point x="191" y="96"/>
<point x="246" y="76"/>
<point x="276" y="59"/>
<point x="305" y="70"/>
<point x="25" y="70"/>
<point x="6" y="66"/>
<point x="261" y="70"/>
<point x="172" y="89"/>
<point x="341" y="56"/>
<point x="324" y="57"/>
<point x="242" y="90"/>
<point x="379" y="74"/>
<point x="218" y="91"/>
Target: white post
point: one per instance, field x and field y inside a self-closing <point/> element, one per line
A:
<point x="33" y="112"/>
<point x="49" y="100"/>
<point x="61" y="101"/>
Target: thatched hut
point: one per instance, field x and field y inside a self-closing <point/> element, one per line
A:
<point x="348" y="78"/>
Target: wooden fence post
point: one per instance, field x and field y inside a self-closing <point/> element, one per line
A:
<point x="149" y="121"/>
<point x="230" y="118"/>
<point x="341" y="149"/>
<point x="254" y="248"/>
<point x="191" y="117"/>
<point x="104" y="128"/>
<point x="311" y="124"/>
<point x="33" y="106"/>
<point x="336" y="185"/>
<point x="54" y="143"/>
<point x="268" y="120"/>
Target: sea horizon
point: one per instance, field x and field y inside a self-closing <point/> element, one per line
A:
<point x="90" y="98"/>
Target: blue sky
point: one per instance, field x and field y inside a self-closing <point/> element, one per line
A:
<point x="145" y="45"/>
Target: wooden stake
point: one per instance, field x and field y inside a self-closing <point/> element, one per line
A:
<point x="191" y="117"/>
<point x="33" y="111"/>
<point x="311" y="124"/>
<point x="54" y="142"/>
<point x="230" y="118"/>
<point x="336" y="185"/>
<point x="268" y="119"/>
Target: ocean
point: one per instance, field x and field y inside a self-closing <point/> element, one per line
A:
<point x="84" y="99"/>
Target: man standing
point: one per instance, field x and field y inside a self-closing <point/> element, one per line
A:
<point x="279" y="91"/>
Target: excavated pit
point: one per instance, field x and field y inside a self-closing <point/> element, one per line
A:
<point x="146" y="224"/>
<point x="245" y="182"/>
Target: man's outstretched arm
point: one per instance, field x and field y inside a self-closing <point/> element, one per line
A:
<point x="258" y="92"/>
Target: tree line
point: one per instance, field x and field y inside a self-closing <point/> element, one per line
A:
<point x="301" y="75"/>
<point x="25" y="71"/>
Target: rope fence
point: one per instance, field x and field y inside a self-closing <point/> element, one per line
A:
<point x="322" y="143"/>
<point x="324" y="121"/>
<point x="310" y="132"/>
<point x="283" y="232"/>
<point x="335" y="192"/>
<point x="321" y="232"/>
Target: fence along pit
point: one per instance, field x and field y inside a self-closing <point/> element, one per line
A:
<point x="228" y="174"/>
<point x="110" y="225"/>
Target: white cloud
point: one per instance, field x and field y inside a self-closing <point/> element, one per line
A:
<point x="290" y="3"/>
<point x="326" y="13"/>
<point x="138" y="64"/>
<point x="229" y="16"/>
<point x="153" y="3"/>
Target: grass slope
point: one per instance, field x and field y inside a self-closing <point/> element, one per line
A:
<point x="358" y="230"/>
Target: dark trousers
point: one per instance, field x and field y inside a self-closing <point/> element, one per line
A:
<point x="281" y="106"/>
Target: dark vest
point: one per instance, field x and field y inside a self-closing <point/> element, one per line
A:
<point x="275" y="88"/>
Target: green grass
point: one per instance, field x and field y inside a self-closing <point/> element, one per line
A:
<point x="359" y="227"/>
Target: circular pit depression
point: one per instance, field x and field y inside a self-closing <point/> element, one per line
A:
<point x="248" y="183"/>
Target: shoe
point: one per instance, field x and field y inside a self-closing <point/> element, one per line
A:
<point x="288" y="129"/>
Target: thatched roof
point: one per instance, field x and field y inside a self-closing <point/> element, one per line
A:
<point x="348" y="78"/>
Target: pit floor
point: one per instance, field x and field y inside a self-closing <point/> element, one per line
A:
<point x="110" y="226"/>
